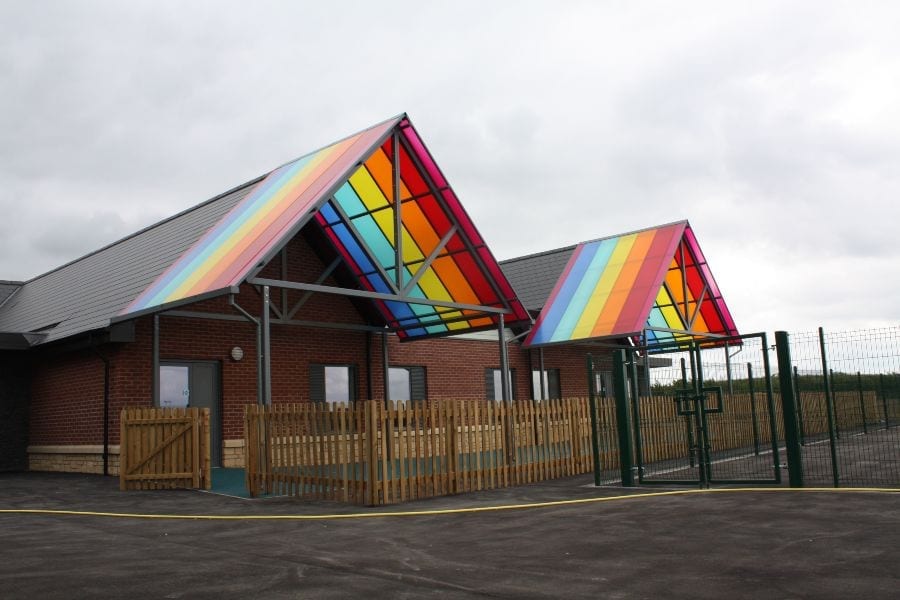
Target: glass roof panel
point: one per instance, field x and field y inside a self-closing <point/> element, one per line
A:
<point x="613" y="288"/>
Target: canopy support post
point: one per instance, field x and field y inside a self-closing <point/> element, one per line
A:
<point x="155" y="361"/>
<point x="266" y="349"/>
<point x="386" y="368"/>
<point x="504" y="362"/>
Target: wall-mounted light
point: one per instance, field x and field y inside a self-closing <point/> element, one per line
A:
<point x="237" y="353"/>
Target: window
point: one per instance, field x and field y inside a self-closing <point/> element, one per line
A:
<point x="551" y="389"/>
<point x="407" y="383"/>
<point x="603" y="385"/>
<point x="174" y="386"/>
<point x="332" y="383"/>
<point x="493" y="386"/>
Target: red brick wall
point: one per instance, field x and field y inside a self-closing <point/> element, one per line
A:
<point x="66" y="404"/>
<point x="67" y="391"/>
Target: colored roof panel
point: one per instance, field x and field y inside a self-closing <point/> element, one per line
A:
<point x="224" y="256"/>
<point x="442" y="256"/>
<point x="348" y="189"/>
<point x="656" y="279"/>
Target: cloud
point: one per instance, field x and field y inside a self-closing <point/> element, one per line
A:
<point x="772" y="127"/>
<point x="75" y="234"/>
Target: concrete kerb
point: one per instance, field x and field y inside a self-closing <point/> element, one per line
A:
<point x="448" y="511"/>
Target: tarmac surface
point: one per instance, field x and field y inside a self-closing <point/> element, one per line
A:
<point x="750" y="544"/>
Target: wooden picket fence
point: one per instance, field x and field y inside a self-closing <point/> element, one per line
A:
<point x="664" y="434"/>
<point x="372" y="453"/>
<point x="375" y="453"/>
<point x="162" y="448"/>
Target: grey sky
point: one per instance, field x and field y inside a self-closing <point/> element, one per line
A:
<point x="774" y="127"/>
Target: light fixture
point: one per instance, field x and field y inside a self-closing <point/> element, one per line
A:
<point x="237" y="353"/>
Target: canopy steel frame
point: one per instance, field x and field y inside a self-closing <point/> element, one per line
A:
<point x="398" y="213"/>
<point x="189" y="314"/>
<point x="429" y="260"/>
<point x="366" y="248"/>
<point x="305" y="298"/>
<point x="325" y="289"/>
<point x="439" y="198"/>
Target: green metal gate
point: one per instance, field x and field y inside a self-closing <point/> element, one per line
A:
<point x="700" y="411"/>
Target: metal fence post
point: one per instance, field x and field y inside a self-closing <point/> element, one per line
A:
<point x="687" y="422"/>
<point x="829" y="403"/>
<point x="789" y="410"/>
<point x="884" y="406"/>
<point x="799" y="407"/>
<point x="837" y="421"/>
<point x="753" y="417"/>
<point x="637" y="452"/>
<point x="623" y="418"/>
<point x="862" y="401"/>
<point x="592" y="402"/>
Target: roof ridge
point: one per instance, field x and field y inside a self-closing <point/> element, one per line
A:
<point x="397" y="118"/>
<point x="618" y="235"/>
<point x="148" y="228"/>
<point x="202" y="204"/>
<point x="599" y="239"/>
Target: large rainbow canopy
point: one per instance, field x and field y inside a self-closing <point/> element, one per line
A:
<point x="349" y="190"/>
<point x="653" y="283"/>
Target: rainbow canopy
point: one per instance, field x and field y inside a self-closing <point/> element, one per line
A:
<point x="428" y="250"/>
<point x="653" y="282"/>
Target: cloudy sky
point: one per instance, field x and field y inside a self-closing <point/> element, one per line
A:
<point x="774" y="128"/>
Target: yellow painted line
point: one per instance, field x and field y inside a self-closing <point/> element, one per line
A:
<point x="447" y="511"/>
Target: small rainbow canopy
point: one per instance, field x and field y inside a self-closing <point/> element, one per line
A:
<point x="348" y="189"/>
<point x="654" y="281"/>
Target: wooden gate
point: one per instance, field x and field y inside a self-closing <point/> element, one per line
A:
<point x="163" y="448"/>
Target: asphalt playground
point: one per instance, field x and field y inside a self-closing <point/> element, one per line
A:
<point x="557" y="539"/>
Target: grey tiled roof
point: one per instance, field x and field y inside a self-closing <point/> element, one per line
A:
<point x="86" y="293"/>
<point x="534" y="276"/>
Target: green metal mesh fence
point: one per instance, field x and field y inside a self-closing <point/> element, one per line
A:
<point x="848" y="385"/>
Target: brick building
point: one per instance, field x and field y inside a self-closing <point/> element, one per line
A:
<point x="312" y="284"/>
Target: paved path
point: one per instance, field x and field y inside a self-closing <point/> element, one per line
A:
<point x="745" y="545"/>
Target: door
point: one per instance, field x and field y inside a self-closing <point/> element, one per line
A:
<point x="194" y="384"/>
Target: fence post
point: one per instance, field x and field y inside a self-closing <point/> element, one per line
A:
<point x="207" y="450"/>
<point x="770" y="407"/>
<point x="687" y="422"/>
<point x="248" y="453"/>
<point x="453" y="457"/>
<point x="789" y="410"/>
<point x="753" y="409"/>
<point x="862" y="401"/>
<point x="837" y="419"/>
<point x="620" y="385"/>
<point x="829" y="404"/>
<point x="884" y="406"/>
<point x="637" y="446"/>
<point x="372" y="452"/>
<point x="123" y="449"/>
<point x="799" y="398"/>
<point x="592" y="401"/>
<point x="194" y="415"/>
